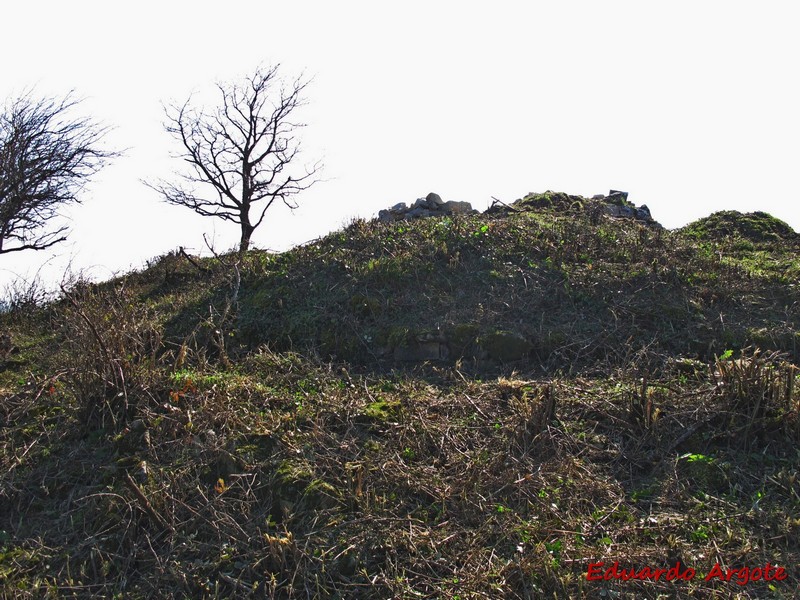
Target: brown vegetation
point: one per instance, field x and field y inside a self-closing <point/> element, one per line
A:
<point x="654" y="420"/>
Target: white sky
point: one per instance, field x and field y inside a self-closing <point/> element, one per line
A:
<point x="690" y="106"/>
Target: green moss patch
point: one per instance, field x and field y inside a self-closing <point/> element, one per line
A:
<point x="755" y="226"/>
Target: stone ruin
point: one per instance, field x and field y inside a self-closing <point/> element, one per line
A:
<point x="431" y="205"/>
<point x="617" y="205"/>
<point x="614" y="204"/>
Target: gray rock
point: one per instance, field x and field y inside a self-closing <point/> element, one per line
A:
<point x="430" y="206"/>
<point x="616" y="194"/>
<point x="505" y="346"/>
<point x="453" y="207"/>
<point x="434" y="199"/>
<point x="418" y="213"/>
<point x="625" y="211"/>
<point x="616" y="210"/>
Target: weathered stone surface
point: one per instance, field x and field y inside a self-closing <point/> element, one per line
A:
<point x="421" y="351"/>
<point x="417" y="346"/>
<point x="434" y="199"/>
<point x="616" y="210"/>
<point x="393" y="213"/>
<point x="617" y="196"/>
<point x="505" y="346"/>
<point x="616" y="204"/>
<point x="457" y="208"/>
<point x="430" y="206"/>
<point x="418" y="212"/>
<point x="628" y="211"/>
<point x="461" y="338"/>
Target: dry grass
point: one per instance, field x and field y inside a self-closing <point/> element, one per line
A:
<point x="297" y="479"/>
<point x="140" y="458"/>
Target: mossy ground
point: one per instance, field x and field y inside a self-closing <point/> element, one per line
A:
<point x="153" y="445"/>
<point x="733" y="226"/>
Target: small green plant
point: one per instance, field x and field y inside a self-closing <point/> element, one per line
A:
<point x="701" y="534"/>
<point x="725" y="355"/>
<point x="554" y="549"/>
<point x="481" y="231"/>
<point x="698" y="458"/>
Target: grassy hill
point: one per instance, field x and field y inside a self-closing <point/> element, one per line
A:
<point x="464" y="407"/>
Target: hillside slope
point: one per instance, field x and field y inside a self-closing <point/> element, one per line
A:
<point x="474" y="406"/>
<point x="377" y="291"/>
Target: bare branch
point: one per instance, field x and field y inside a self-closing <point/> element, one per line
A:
<point x="46" y="159"/>
<point x="244" y="150"/>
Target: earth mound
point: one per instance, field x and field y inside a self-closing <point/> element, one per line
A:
<point x="755" y="226"/>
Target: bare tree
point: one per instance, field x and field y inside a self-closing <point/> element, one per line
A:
<point x="46" y="159"/>
<point x="241" y="151"/>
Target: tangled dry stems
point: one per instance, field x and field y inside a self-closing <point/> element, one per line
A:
<point x="299" y="479"/>
<point x="127" y="471"/>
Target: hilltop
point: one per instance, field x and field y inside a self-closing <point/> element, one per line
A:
<point x="459" y="406"/>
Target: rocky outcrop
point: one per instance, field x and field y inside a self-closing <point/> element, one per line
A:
<point x="617" y="205"/>
<point x="431" y="205"/>
<point x="641" y="213"/>
<point x="505" y="346"/>
<point x="421" y="347"/>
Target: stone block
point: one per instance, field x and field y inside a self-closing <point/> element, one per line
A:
<point x="453" y="207"/>
<point x="434" y="199"/>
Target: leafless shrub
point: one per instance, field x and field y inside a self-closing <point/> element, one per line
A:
<point x="218" y="322"/>
<point x="23" y="294"/>
<point x="758" y="387"/>
<point x="534" y="407"/>
<point x="112" y="341"/>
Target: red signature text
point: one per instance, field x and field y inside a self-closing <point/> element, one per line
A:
<point x="600" y="571"/>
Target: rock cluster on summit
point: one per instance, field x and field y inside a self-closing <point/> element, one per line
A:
<point x="614" y="204"/>
<point x="617" y="205"/>
<point x="431" y="205"/>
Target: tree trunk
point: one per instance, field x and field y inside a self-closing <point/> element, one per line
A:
<point x="247" y="228"/>
<point x="244" y="243"/>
